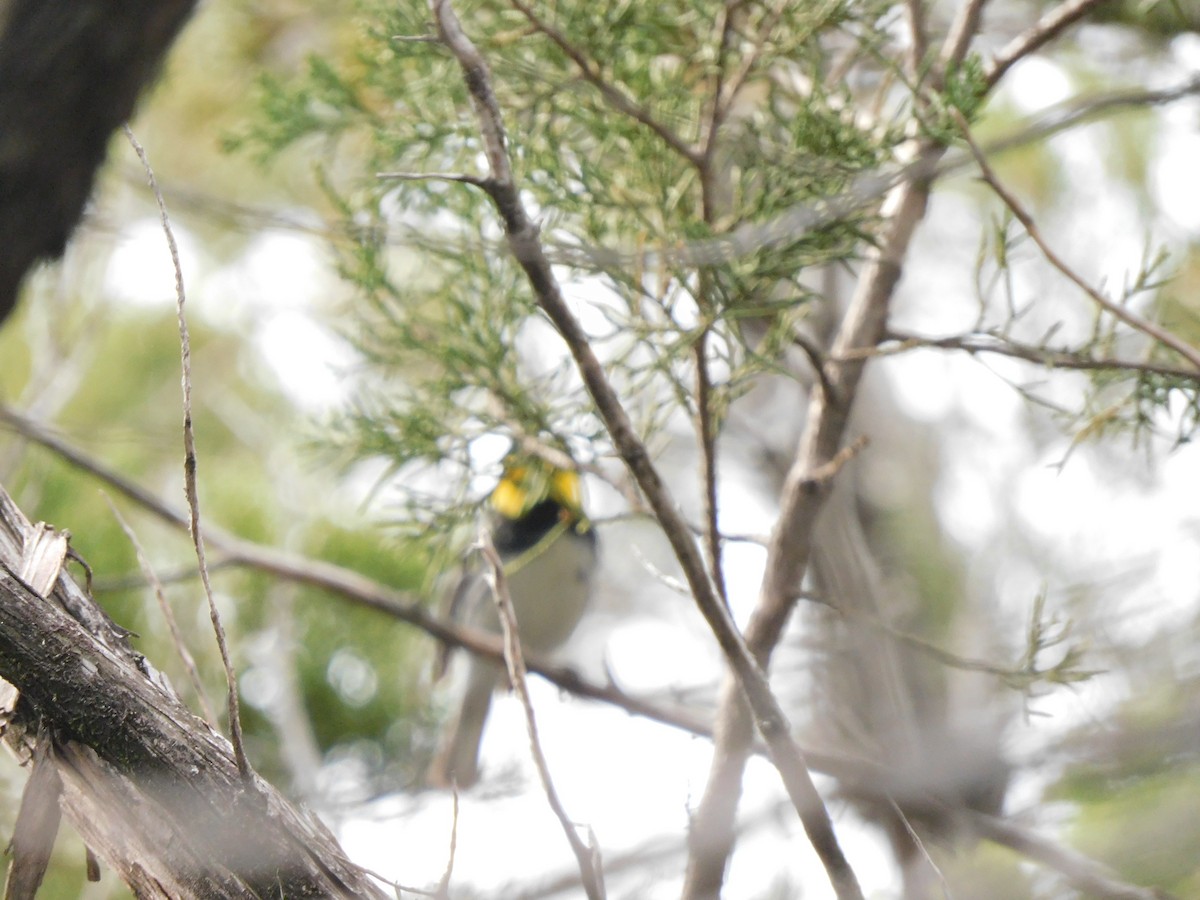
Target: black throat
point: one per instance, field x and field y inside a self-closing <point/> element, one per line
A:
<point x="514" y="536"/>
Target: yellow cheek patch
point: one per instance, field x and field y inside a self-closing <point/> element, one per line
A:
<point x="523" y="487"/>
<point x="564" y="487"/>
<point x="510" y="499"/>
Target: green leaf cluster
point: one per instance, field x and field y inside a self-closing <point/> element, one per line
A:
<point x="637" y="132"/>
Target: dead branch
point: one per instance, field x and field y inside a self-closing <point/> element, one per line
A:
<point x="586" y="857"/>
<point x="190" y="465"/>
<point x="150" y="787"/>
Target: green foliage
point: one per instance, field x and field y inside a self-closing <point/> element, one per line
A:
<point x="127" y="411"/>
<point x="964" y="94"/>
<point x="1155" y="19"/>
<point x="648" y="141"/>
<point x="1157" y="832"/>
<point x="608" y="112"/>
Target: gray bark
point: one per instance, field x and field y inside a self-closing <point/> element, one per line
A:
<point x="152" y="789"/>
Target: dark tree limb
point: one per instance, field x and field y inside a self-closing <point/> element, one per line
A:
<point x="70" y="73"/>
<point x="150" y="787"/>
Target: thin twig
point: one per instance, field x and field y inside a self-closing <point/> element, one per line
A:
<point x="903" y="342"/>
<point x="434" y="176"/>
<point x="132" y="581"/>
<point x="1117" y="310"/>
<point x="189" y="471"/>
<point x="958" y="38"/>
<point x="1085" y="875"/>
<point x="816" y="361"/>
<point x="1048" y="27"/>
<point x="706" y="437"/>
<point x="827" y="471"/>
<point x="525" y="245"/>
<point x="344" y="583"/>
<point x="443" y="889"/>
<point x="862" y="328"/>
<point x="717" y="110"/>
<point x="918" y="40"/>
<point x="802" y="498"/>
<point x="736" y="81"/>
<point x="593" y="878"/>
<point x="168" y="614"/>
<point x="922" y="849"/>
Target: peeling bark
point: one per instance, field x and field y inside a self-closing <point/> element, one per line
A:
<point x="150" y="787"/>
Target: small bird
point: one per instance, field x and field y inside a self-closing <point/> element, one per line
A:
<point x="548" y="547"/>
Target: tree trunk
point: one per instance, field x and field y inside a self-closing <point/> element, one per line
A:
<point x="70" y="73"/>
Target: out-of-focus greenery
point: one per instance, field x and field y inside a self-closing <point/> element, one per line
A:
<point x="306" y="109"/>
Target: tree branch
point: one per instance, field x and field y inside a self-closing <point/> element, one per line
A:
<point x="789" y="551"/>
<point x="706" y="438"/>
<point x="514" y="661"/>
<point x="619" y="101"/>
<point x="1046" y="29"/>
<point x="185" y="655"/>
<point x="958" y="39"/>
<point x="190" y="464"/>
<point x="148" y="785"/>
<point x="525" y="245"/>
<point x="898" y="342"/>
<point x="1117" y="310"/>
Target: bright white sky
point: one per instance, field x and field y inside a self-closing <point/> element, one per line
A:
<point x="632" y="781"/>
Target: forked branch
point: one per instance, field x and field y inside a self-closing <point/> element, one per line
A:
<point x="525" y="244"/>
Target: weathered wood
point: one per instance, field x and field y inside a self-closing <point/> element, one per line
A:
<point x="36" y="827"/>
<point x="150" y="787"/>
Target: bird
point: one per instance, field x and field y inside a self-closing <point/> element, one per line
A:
<point x="549" y="550"/>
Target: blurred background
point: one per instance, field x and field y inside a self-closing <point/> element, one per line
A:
<point x="1001" y="606"/>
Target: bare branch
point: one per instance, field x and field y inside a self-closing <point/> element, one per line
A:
<point x="918" y="40"/>
<point x="593" y="879"/>
<point x="347" y="584"/>
<point x="1084" y="874"/>
<point x="718" y="110"/>
<point x="791" y="540"/>
<point x="903" y="342"/>
<point x="730" y="84"/>
<point x="919" y="844"/>
<point x="826" y="472"/>
<point x="1048" y="27"/>
<point x="706" y="438"/>
<point x="962" y="32"/>
<point x="168" y="614"/>
<point x="356" y="588"/>
<point x="189" y="469"/>
<point x="434" y="176"/>
<point x="443" y="888"/>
